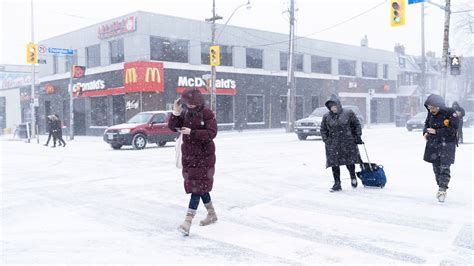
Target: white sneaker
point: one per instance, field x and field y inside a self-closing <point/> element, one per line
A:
<point x="441" y="195"/>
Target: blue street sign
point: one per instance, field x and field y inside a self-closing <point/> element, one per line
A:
<point x="415" y="1"/>
<point x="61" y="51"/>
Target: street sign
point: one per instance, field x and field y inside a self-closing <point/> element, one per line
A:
<point x="42" y="49"/>
<point x="61" y="51"/>
<point x="78" y="71"/>
<point x="410" y="2"/>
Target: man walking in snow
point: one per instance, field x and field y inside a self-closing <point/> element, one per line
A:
<point x="461" y="113"/>
<point x="341" y="132"/>
<point x="440" y="132"/>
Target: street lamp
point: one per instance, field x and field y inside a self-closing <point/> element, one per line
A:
<point x="213" y="42"/>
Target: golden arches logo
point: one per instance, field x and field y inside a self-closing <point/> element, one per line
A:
<point x="131" y="76"/>
<point x="154" y="73"/>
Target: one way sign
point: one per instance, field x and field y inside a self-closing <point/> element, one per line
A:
<point x="455" y="64"/>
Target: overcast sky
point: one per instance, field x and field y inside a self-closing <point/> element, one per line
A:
<point x="54" y="17"/>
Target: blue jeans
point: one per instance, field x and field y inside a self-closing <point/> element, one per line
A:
<point x="195" y="198"/>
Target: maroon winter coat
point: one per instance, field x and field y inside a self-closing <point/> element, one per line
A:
<point x="198" y="149"/>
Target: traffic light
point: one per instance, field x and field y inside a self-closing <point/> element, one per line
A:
<point x="215" y="55"/>
<point x="455" y="65"/>
<point x="31" y="53"/>
<point x="397" y="13"/>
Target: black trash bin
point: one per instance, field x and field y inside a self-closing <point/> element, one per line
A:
<point x="22" y="130"/>
<point x="401" y="120"/>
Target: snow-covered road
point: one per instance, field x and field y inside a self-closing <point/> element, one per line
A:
<point x="89" y="204"/>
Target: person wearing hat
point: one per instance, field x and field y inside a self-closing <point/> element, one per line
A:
<point x="192" y="118"/>
<point x="341" y="132"/>
<point x="440" y="132"/>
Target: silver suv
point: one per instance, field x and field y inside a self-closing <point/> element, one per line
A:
<point x="311" y="126"/>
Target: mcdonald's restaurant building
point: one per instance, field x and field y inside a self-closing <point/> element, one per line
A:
<point x="143" y="61"/>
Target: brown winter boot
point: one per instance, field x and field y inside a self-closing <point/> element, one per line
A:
<point x="186" y="225"/>
<point x="211" y="215"/>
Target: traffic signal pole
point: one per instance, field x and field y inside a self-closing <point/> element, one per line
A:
<point x="447" y="17"/>
<point x="213" y="68"/>
<point x="33" y="81"/>
<point x="71" y="99"/>
<point x="423" y="56"/>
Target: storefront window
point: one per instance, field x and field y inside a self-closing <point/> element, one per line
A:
<point x="118" y="105"/>
<point x="369" y="70"/>
<point x="99" y="111"/>
<point x="226" y="54"/>
<point x="347" y="67"/>
<point x="254" y="58"/>
<point x="255" y="106"/>
<point x="116" y="51"/>
<point x="284" y="61"/>
<point x="299" y="108"/>
<point x="225" y="112"/>
<point x="93" y="56"/>
<point x="320" y="64"/>
<point x="172" y="50"/>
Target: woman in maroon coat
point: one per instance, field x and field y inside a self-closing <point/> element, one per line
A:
<point x="198" y="125"/>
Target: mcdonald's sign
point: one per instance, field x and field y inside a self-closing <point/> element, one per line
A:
<point x="144" y="76"/>
<point x="154" y="74"/>
<point x="130" y="75"/>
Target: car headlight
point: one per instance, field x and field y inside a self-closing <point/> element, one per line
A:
<point x="124" y="131"/>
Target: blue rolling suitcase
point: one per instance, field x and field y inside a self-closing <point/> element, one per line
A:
<point x="371" y="174"/>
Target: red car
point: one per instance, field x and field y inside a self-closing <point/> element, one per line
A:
<point x="143" y="128"/>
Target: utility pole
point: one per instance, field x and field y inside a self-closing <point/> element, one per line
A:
<point x="423" y="57"/>
<point x="447" y="16"/>
<point x="33" y="81"/>
<point x="213" y="68"/>
<point x="291" y="100"/>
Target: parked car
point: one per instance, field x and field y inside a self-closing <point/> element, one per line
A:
<point x="468" y="119"/>
<point x="311" y="126"/>
<point x="143" y="128"/>
<point x="417" y="121"/>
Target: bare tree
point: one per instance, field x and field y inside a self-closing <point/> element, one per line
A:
<point x="463" y="29"/>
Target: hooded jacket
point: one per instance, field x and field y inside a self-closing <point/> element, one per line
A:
<point x="339" y="132"/>
<point x="440" y="147"/>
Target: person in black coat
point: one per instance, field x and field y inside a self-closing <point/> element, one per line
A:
<point x="440" y="132"/>
<point x="461" y="113"/>
<point x="49" y="129"/>
<point x="59" y="133"/>
<point x="341" y="132"/>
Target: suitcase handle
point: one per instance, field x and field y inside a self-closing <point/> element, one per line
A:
<point x="368" y="160"/>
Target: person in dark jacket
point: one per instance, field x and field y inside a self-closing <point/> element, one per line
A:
<point x="198" y="125"/>
<point x="49" y="121"/>
<point x="440" y="130"/>
<point x="461" y="113"/>
<point x="341" y="132"/>
<point x="58" y="131"/>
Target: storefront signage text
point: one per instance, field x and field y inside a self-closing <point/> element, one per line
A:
<point x="200" y="82"/>
<point x="118" y="27"/>
<point x="91" y="86"/>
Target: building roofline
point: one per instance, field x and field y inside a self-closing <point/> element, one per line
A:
<point x="218" y="24"/>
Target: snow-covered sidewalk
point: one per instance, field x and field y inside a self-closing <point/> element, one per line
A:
<point x="89" y="204"/>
